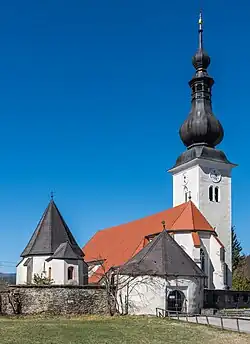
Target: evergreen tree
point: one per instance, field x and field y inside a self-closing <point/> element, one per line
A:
<point x="241" y="280"/>
<point x="237" y="256"/>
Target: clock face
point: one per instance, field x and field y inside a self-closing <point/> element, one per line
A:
<point x="215" y="175"/>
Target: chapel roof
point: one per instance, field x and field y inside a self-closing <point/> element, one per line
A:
<point x="116" y="245"/>
<point x="51" y="232"/>
<point x="162" y="257"/>
<point x="65" y="251"/>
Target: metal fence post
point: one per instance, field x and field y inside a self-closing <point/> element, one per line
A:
<point x="238" y="325"/>
<point x="207" y="319"/>
<point x="221" y="320"/>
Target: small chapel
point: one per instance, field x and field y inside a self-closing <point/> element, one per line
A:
<point x="166" y="257"/>
<point x="52" y="252"/>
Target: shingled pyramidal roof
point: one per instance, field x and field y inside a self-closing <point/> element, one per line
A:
<point x="53" y="237"/>
<point x="162" y="257"/>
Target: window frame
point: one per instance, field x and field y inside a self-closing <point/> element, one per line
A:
<point x="211" y="193"/>
<point x="70" y="273"/>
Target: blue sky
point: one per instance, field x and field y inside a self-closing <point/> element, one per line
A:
<point x="92" y="94"/>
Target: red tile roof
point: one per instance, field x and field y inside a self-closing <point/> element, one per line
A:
<point x="196" y="239"/>
<point x="118" y="244"/>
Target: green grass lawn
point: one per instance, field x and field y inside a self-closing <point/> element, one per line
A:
<point x="116" y="330"/>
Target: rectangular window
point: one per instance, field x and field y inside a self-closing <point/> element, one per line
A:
<point x="226" y="274"/>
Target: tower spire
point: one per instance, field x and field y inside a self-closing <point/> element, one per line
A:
<point x="201" y="59"/>
<point x="200" y="31"/>
<point x="201" y="128"/>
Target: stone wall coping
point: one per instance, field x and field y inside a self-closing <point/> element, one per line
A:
<point x="54" y="286"/>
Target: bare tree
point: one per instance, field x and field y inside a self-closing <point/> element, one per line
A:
<point x="120" y="286"/>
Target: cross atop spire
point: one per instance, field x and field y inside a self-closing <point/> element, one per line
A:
<point x="52" y="195"/>
<point x="200" y="31"/>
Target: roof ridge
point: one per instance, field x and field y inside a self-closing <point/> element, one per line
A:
<point x="186" y="254"/>
<point x="180" y="213"/>
<point x="164" y="253"/>
<point x="141" y="218"/>
<point x="192" y="213"/>
<point x="38" y="228"/>
<point x="51" y="203"/>
<point x="153" y="243"/>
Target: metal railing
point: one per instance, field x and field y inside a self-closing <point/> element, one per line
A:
<point x="223" y="322"/>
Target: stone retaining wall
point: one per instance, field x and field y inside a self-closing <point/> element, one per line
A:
<point x="54" y="300"/>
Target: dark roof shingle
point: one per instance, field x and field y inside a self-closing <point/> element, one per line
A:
<point x="162" y="257"/>
<point x="50" y="233"/>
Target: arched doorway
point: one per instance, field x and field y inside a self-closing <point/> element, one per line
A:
<point x="175" y="300"/>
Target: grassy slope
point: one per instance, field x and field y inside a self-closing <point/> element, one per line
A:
<point x="118" y="330"/>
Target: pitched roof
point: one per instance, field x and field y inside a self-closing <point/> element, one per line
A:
<point x="118" y="244"/>
<point x="65" y="251"/>
<point x="162" y="257"/>
<point x="51" y="232"/>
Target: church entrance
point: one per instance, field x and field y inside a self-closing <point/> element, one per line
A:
<point x="175" y="301"/>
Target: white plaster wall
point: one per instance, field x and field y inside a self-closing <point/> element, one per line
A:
<point x="185" y="240"/>
<point x="215" y="256"/>
<point x="21" y="273"/>
<point x="57" y="270"/>
<point x="192" y="185"/>
<point x="211" y="247"/>
<point x="38" y="267"/>
<point x="219" y="213"/>
<point x="146" y="293"/>
<point x="205" y="238"/>
<point x="38" y="264"/>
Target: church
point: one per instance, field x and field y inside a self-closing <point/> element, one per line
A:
<point x="170" y="255"/>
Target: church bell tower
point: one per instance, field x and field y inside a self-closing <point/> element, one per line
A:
<point x="202" y="173"/>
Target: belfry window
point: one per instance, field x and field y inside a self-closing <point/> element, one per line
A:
<point x="70" y="272"/>
<point x="211" y="193"/>
<point x="199" y="87"/>
<point x="202" y="258"/>
<point x="216" y="194"/>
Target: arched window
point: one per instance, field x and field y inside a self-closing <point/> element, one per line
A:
<point x="202" y="258"/>
<point x="70" y="272"/>
<point x="211" y="193"/>
<point x="49" y="273"/>
<point x="217" y="194"/>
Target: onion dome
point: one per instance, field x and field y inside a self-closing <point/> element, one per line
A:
<point x="201" y="127"/>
